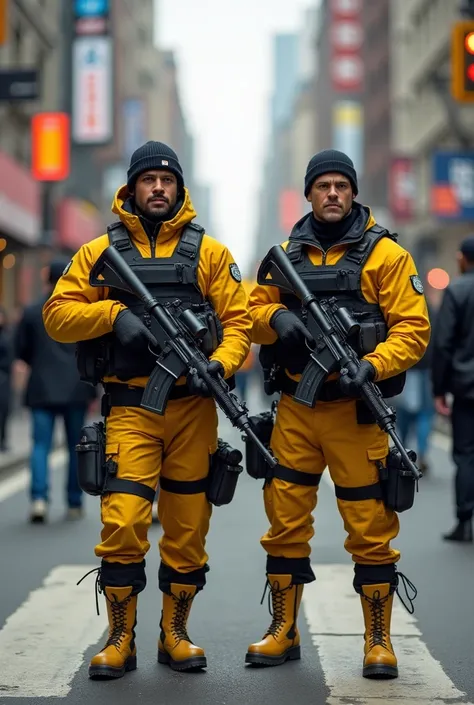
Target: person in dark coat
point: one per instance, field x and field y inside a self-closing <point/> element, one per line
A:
<point x="54" y="389"/>
<point x="453" y="373"/>
<point x="6" y="359"/>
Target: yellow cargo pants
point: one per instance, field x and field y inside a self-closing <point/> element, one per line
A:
<point x="307" y="440"/>
<point x="176" y="448"/>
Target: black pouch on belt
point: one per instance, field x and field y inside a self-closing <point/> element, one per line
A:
<point x="256" y="466"/>
<point x="224" y="472"/>
<point x="398" y="484"/>
<point x="91" y="465"/>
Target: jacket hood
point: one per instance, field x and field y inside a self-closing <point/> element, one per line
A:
<point x="302" y="230"/>
<point x="133" y="222"/>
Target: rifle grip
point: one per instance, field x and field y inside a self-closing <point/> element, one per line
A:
<point x="157" y="391"/>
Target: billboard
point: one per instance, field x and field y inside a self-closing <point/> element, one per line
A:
<point x="92" y="114"/>
<point x="346" y="39"/>
<point x="452" y="186"/>
<point x="91" y="8"/>
<point x="50" y="146"/>
<point x="402" y="188"/>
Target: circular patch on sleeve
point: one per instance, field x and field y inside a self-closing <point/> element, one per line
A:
<point x="235" y="272"/>
<point x="417" y="284"/>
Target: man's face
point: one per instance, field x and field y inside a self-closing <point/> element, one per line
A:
<point x="331" y="197"/>
<point x="156" y="193"/>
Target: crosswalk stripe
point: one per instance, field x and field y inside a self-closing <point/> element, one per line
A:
<point x="334" y="616"/>
<point x="42" y="644"/>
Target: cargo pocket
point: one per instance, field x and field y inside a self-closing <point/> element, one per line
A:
<point x="376" y="455"/>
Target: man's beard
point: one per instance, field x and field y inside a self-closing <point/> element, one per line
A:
<point x="156" y="216"/>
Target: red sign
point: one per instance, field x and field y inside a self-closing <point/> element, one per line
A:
<point x="50" y="148"/>
<point x="77" y="222"/>
<point x="402" y="189"/>
<point x="346" y="40"/>
<point x="290" y="209"/>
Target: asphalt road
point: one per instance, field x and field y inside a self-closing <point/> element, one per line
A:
<point x="46" y="635"/>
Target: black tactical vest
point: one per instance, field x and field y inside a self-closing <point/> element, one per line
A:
<point x="341" y="281"/>
<point x="168" y="279"/>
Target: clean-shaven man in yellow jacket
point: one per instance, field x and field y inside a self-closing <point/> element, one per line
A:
<point x="341" y="253"/>
<point x="173" y="256"/>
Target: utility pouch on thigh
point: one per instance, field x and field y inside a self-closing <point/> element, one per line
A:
<point x="91" y="465"/>
<point x="398" y="484"/>
<point x="256" y="466"/>
<point x="224" y="472"/>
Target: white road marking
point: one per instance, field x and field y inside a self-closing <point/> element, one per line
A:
<point x="42" y="644"/>
<point x="334" y="616"/>
<point x="20" y="480"/>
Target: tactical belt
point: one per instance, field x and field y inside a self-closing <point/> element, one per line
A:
<point x="358" y="494"/>
<point x="120" y="395"/>
<point x="297" y="477"/>
<point x="330" y="391"/>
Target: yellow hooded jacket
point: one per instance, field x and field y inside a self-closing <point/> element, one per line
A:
<point x="386" y="282"/>
<point x="78" y="311"/>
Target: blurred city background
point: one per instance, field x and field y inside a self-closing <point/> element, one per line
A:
<point x="245" y="91"/>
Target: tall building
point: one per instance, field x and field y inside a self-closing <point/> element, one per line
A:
<point x="376" y="107"/>
<point x="432" y="136"/>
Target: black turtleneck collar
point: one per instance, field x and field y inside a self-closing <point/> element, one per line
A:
<point x="329" y="233"/>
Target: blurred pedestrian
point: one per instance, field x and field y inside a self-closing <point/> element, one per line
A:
<point x="53" y="389"/>
<point x="6" y="359"/>
<point x="453" y="373"/>
<point x="415" y="405"/>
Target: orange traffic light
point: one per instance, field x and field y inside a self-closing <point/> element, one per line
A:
<point x="462" y="61"/>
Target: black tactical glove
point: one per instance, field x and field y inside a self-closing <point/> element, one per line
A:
<point x="289" y="329"/>
<point x="131" y="331"/>
<point x="197" y="386"/>
<point x="351" y="386"/>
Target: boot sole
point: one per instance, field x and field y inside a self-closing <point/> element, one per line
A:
<point x="106" y="672"/>
<point x="195" y="663"/>
<point x="293" y="654"/>
<point x="378" y="671"/>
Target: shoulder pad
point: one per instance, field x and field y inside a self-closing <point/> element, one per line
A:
<point x="118" y="236"/>
<point x="383" y="232"/>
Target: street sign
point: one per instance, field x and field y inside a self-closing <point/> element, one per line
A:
<point x="452" y="190"/>
<point x="19" y="84"/>
<point x="92" y="117"/>
<point x="91" y="8"/>
<point x="50" y="146"/>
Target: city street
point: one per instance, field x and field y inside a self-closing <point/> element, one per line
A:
<point x="49" y="628"/>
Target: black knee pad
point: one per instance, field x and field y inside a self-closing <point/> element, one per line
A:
<point x="299" y="568"/>
<point x="122" y="575"/>
<point x="167" y="575"/>
<point x="374" y="575"/>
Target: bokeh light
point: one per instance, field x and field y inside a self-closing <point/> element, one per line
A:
<point x="438" y="278"/>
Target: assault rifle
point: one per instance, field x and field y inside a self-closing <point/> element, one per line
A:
<point x="178" y="332"/>
<point x="330" y="327"/>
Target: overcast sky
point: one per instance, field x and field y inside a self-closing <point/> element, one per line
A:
<point x="224" y="54"/>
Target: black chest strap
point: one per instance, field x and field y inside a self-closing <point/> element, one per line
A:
<point x="188" y="246"/>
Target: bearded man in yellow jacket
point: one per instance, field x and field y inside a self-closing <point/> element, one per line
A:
<point x="176" y="260"/>
<point x="341" y="253"/>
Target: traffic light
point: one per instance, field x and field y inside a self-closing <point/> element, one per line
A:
<point x="462" y="61"/>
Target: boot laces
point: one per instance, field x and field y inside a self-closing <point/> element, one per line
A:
<point x="181" y="610"/>
<point x="119" y="616"/>
<point x="98" y="586"/>
<point x="276" y="606"/>
<point x="410" y="592"/>
<point x="377" y="636"/>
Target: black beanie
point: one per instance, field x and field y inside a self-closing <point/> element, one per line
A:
<point x="330" y="160"/>
<point x="154" y="155"/>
